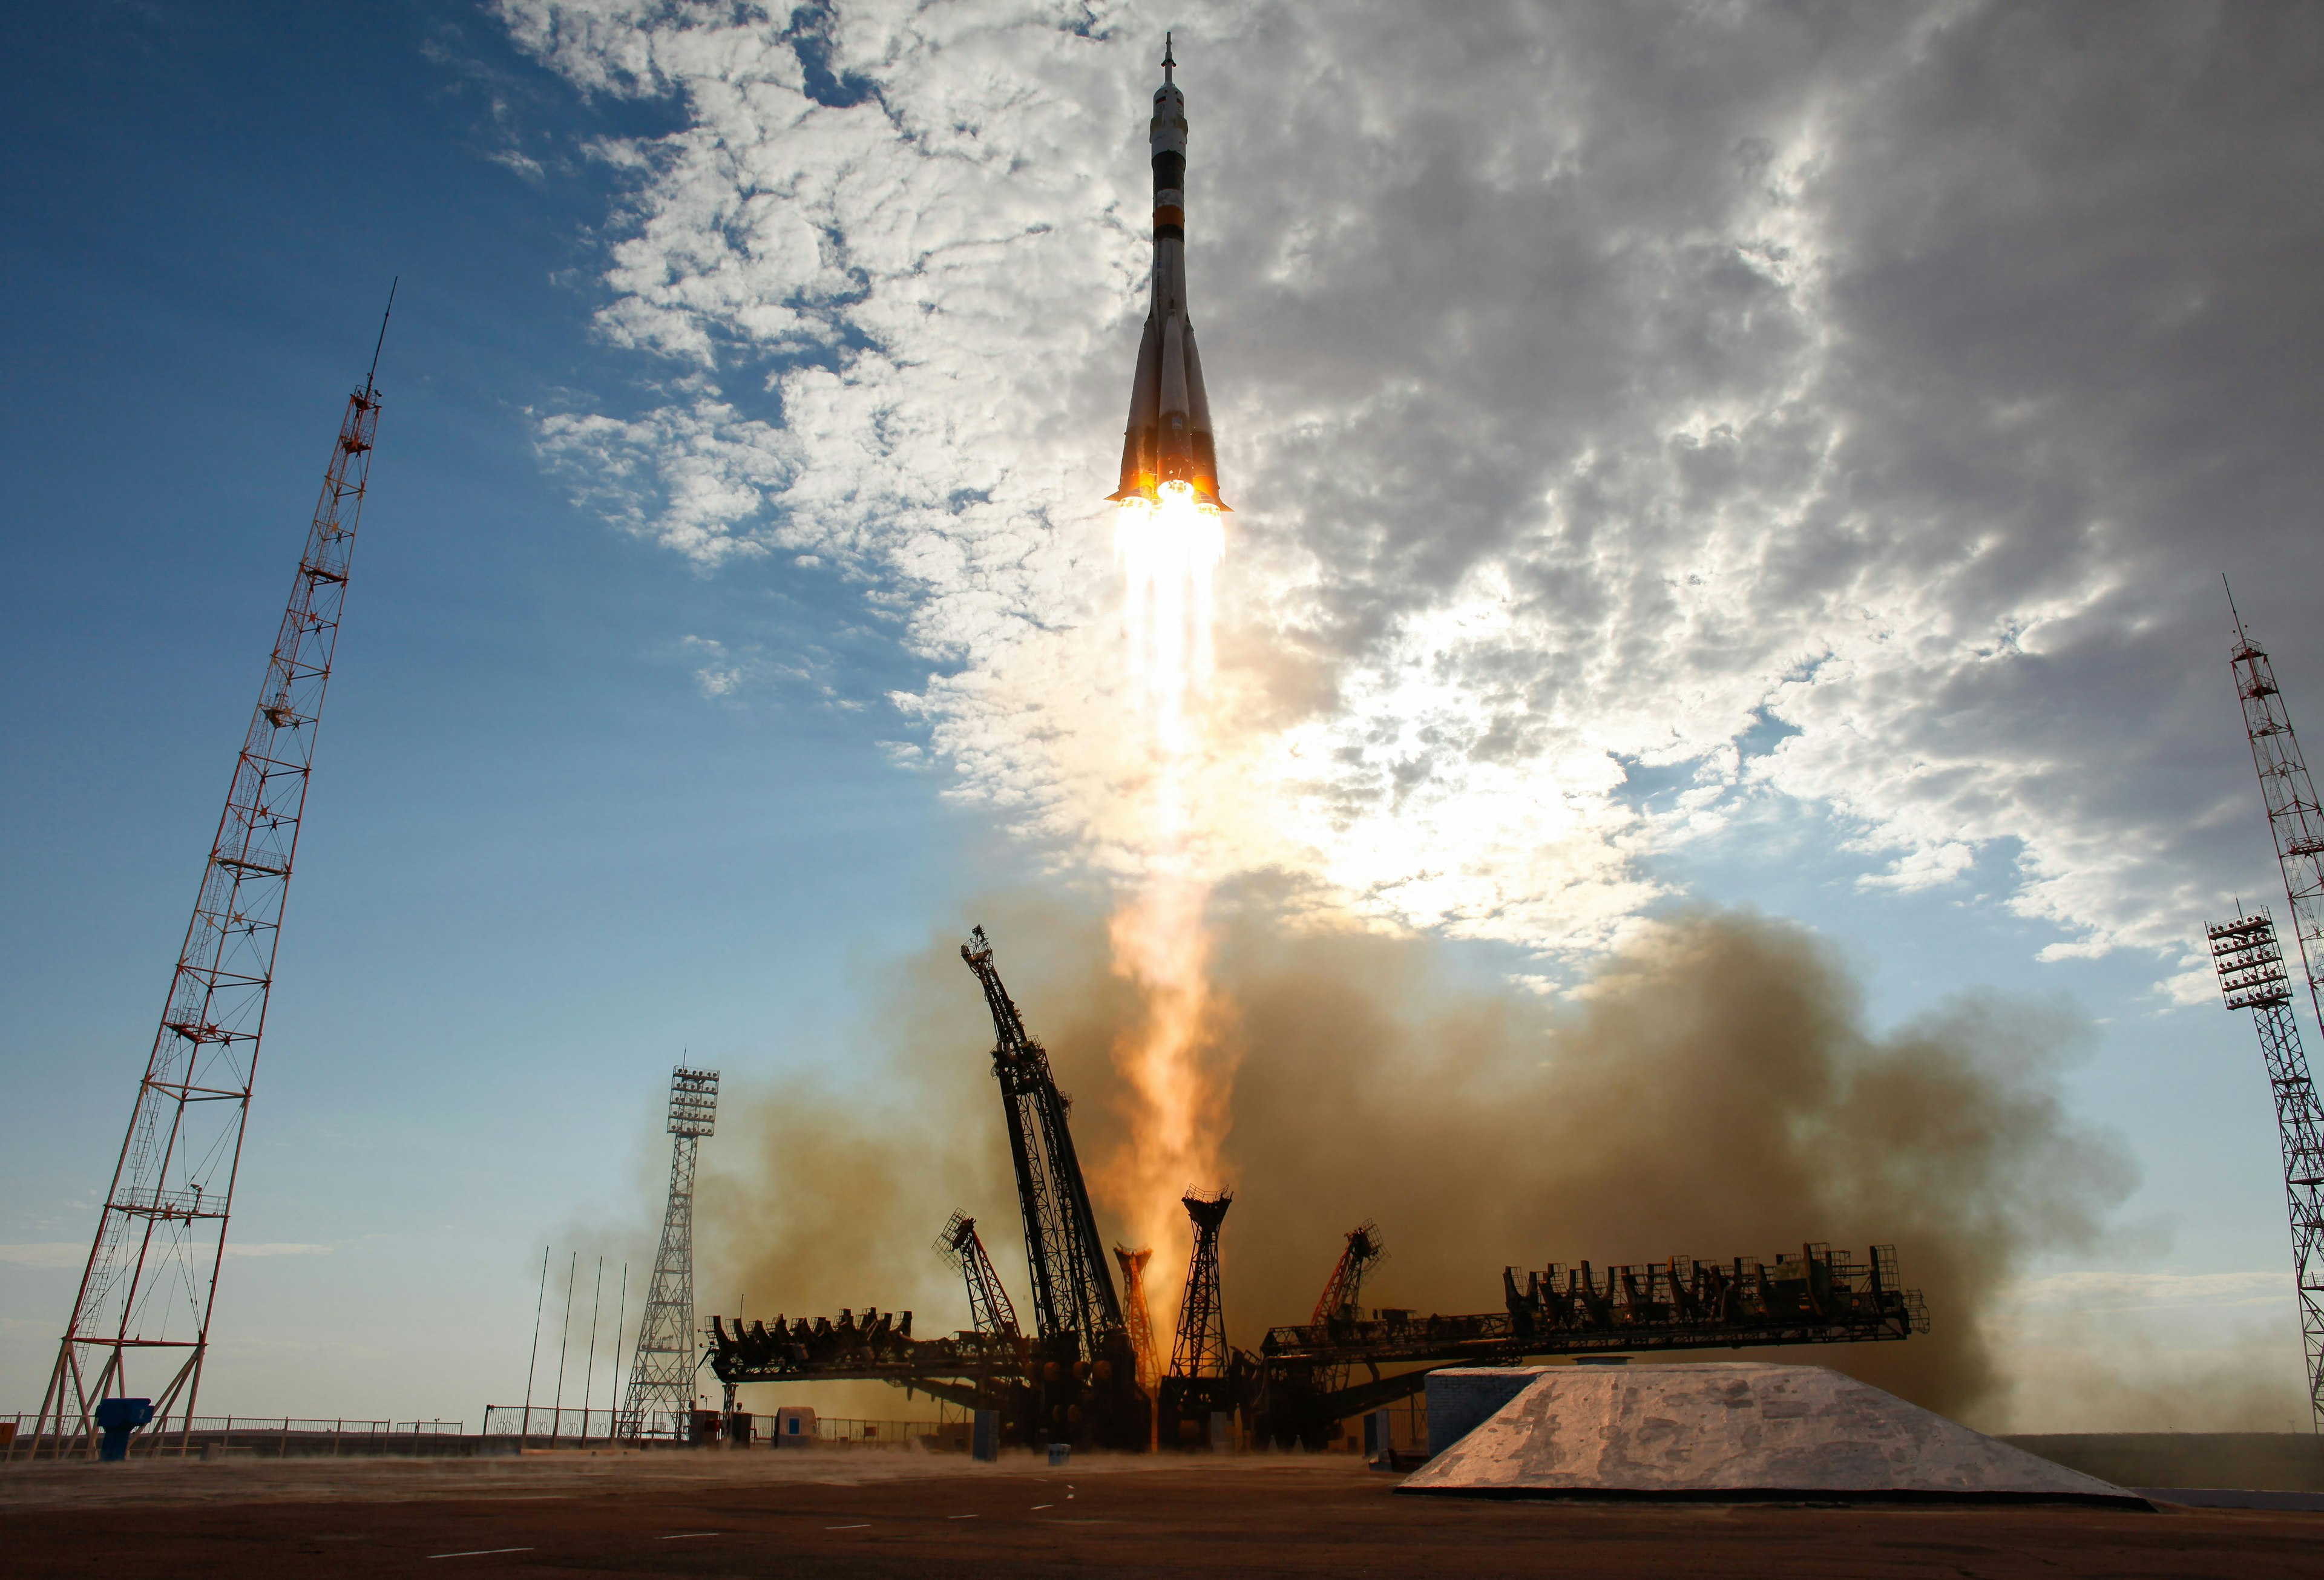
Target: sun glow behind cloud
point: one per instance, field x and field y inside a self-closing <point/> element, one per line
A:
<point x="1602" y="394"/>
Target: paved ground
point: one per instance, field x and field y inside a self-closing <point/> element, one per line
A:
<point x="875" y="1514"/>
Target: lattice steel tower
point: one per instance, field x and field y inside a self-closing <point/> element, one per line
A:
<point x="661" y="1375"/>
<point x="1139" y="1315"/>
<point x="2251" y="975"/>
<point x="151" y="1281"/>
<point x="988" y="1310"/>
<point x="2297" y="826"/>
<point x="1201" y="1347"/>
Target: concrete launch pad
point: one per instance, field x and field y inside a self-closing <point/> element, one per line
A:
<point x="1720" y="1430"/>
<point x="931" y="1517"/>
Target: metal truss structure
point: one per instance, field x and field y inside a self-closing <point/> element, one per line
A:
<point x="1139" y="1315"/>
<point x="1080" y="1385"/>
<point x="2296" y="825"/>
<point x="661" y="1372"/>
<point x="2250" y="963"/>
<point x="1341" y="1300"/>
<point x="150" y="1285"/>
<point x="988" y="1303"/>
<point x="1819" y="1297"/>
<point x="1072" y="1291"/>
<point x="1342" y="1297"/>
<point x="1201" y="1381"/>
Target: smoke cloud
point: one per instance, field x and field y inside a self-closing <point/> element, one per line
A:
<point x="1712" y="1090"/>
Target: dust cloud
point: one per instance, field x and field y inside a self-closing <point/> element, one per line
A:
<point x="1712" y="1090"/>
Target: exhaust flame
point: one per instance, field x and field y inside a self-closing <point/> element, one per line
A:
<point x="1167" y="551"/>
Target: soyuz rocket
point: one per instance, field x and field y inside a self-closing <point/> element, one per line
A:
<point x="1169" y="435"/>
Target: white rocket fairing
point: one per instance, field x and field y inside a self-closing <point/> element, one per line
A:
<point x="1169" y="435"/>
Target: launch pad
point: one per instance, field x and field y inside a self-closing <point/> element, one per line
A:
<point x="1082" y="1378"/>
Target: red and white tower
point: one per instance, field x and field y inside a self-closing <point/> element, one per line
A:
<point x="142" y="1318"/>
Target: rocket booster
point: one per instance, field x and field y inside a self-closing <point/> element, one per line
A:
<point x="1169" y="435"/>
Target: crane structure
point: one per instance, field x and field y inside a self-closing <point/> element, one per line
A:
<point x="1139" y="1315"/>
<point x="1073" y="1292"/>
<point x="150" y="1285"/>
<point x="1202" y="1379"/>
<point x="660" y="1396"/>
<point x="1085" y="1370"/>
<point x="988" y="1303"/>
<point x="1342" y="1296"/>
<point x="2253" y="975"/>
<point x="1074" y="1378"/>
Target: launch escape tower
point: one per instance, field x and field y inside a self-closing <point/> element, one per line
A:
<point x="989" y="1309"/>
<point x="661" y="1375"/>
<point x="1197" y="1384"/>
<point x="151" y="1281"/>
<point x="1084" y="1371"/>
<point x="2252" y="976"/>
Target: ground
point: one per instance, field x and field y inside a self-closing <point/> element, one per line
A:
<point x="873" y="1513"/>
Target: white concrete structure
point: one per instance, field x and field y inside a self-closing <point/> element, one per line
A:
<point x="1717" y="1431"/>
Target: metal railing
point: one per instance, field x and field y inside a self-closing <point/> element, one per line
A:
<point x="545" y="1424"/>
<point x="280" y="1436"/>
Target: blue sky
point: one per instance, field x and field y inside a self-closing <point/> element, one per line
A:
<point x="547" y="854"/>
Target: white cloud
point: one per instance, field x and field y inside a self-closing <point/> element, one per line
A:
<point x="1594" y="386"/>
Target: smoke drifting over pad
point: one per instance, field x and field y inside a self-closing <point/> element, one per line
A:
<point x="1481" y="1125"/>
<point x="1731" y="1430"/>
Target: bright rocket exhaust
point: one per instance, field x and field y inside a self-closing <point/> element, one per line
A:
<point x="1169" y="436"/>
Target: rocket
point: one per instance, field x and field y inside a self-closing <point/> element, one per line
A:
<point x="1169" y="435"/>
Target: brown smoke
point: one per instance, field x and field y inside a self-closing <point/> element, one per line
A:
<point x="1711" y="1091"/>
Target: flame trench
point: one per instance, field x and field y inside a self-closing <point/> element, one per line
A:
<point x="1167" y="552"/>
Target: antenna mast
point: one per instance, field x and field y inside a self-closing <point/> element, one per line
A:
<point x="149" y="1287"/>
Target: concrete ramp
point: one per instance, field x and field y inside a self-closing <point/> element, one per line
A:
<point x="1725" y="1430"/>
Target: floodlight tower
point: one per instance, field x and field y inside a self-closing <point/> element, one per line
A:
<point x="2296" y="823"/>
<point x="149" y="1284"/>
<point x="2250" y="963"/>
<point x="661" y="1375"/>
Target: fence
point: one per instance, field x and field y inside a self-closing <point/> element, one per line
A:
<point x="280" y="1436"/>
<point x="545" y="1424"/>
<point x="831" y="1431"/>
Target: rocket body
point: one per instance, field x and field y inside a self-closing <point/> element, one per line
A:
<point x="1169" y="439"/>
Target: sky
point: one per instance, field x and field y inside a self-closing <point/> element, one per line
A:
<point x="1776" y="456"/>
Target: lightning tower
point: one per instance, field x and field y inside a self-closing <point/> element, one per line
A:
<point x="2251" y="974"/>
<point x="1197" y="1384"/>
<point x="150" y="1285"/>
<point x="661" y="1375"/>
